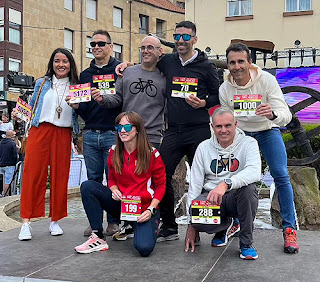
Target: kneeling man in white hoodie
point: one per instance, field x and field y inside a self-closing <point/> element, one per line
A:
<point x="223" y="173"/>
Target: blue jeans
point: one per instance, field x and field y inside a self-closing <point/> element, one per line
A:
<point x="8" y="172"/>
<point x="96" y="146"/>
<point x="273" y="150"/>
<point x="96" y="198"/>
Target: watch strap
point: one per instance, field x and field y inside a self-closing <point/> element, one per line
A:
<point x="152" y="210"/>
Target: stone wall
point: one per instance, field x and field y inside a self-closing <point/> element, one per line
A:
<point x="45" y="20"/>
<point x="307" y="200"/>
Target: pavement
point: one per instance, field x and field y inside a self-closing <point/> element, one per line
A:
<point x="48" y="258"/>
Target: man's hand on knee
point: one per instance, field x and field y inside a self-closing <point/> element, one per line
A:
<point x="215" y="195"/>
<point x="190" y="238"/>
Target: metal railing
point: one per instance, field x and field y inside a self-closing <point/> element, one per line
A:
<point x="76" y="176"/>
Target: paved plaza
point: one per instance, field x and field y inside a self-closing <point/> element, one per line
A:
<point x="53" y="258"/>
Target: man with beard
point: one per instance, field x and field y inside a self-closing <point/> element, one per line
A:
<point x="192" y="88"/>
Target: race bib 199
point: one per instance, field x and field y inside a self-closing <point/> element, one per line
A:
<point x="182" y="87"/>
<point x="130" y="208"/>
<point x="205" y="213"/>
<point x="80" y="93"/>
<point x="246" y="105"/>
<point x="105" y="83"/>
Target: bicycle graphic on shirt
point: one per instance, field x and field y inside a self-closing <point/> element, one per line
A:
<point x="143" y="86"/>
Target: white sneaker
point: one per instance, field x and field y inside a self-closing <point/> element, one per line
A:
<point x="55" y="229"/>
<point x="25" y="232"/>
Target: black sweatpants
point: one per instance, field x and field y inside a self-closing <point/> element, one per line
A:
<point x="177" y="143"/>
<point x="241" y="203"/>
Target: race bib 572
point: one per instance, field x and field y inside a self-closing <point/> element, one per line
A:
<point x="80" y="93"/>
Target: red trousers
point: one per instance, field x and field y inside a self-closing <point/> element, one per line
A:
<point x="48" y="145"/>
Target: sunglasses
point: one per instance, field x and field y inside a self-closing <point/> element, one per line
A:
<point x="148" y="47"/>
<point x="185" y="37"/>
<point x="99" y="43"/>
<point x="127" y="127"/>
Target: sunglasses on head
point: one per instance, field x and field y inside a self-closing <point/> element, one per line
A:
<point x="127" y="127"/>
<point x="99" y="43"/>
<point x="185" y="37"/>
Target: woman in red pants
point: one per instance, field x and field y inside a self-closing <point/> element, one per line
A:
<point x="49" y="144"/>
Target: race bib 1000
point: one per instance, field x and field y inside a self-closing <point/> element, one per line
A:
<point x="246" y="105"/>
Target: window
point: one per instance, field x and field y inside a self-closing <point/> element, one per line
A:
<point x="14" y="65"/>
<point x="2" y="64"/>
<point x="68" y="4"/>
<point x="160" y="27"/>
<point x="92" y="9"/>
<point x="1" y="24"/>
<point x="298" y="5"/>
<point x="14" y="26"/>
<point x="143" y="24"/>
<point x="117" y="51"/>
<point x="88" y="48"/>
<point x="239" y="8"/>
<point x="117" y="17"/>
<point x="68" y="39"/>
<point x="181" y="4"/>
<point x="1" y="83"/>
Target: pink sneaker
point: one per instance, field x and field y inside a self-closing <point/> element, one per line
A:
<point x="93" y="244"/>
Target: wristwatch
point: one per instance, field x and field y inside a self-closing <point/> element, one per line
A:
<point x="274" y="116"/>
<point x="152" y="210"/>
<point x="228" y="181"/>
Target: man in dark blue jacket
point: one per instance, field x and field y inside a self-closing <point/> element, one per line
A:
<point x="8" y="158"/>
<point x="99" y="133"/>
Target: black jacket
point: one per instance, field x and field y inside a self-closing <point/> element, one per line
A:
<point x="8" y="152"/>
<point x="94" y="116"/>
<point x="178" y="110"/>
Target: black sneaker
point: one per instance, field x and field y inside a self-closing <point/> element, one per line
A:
<point x="125" y="232"/>
<point x="168" y="235"/>
<point x="197" y="241"/>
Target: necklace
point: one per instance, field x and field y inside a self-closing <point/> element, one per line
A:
<point x="59" y="108"/>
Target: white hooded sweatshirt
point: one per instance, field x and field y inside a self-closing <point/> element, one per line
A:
<point x="212" y="164"/>
<point x="262" y="83"/>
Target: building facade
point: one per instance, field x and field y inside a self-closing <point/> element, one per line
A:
<point x="292" y="25"/>
<point x="31" y="29"/>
